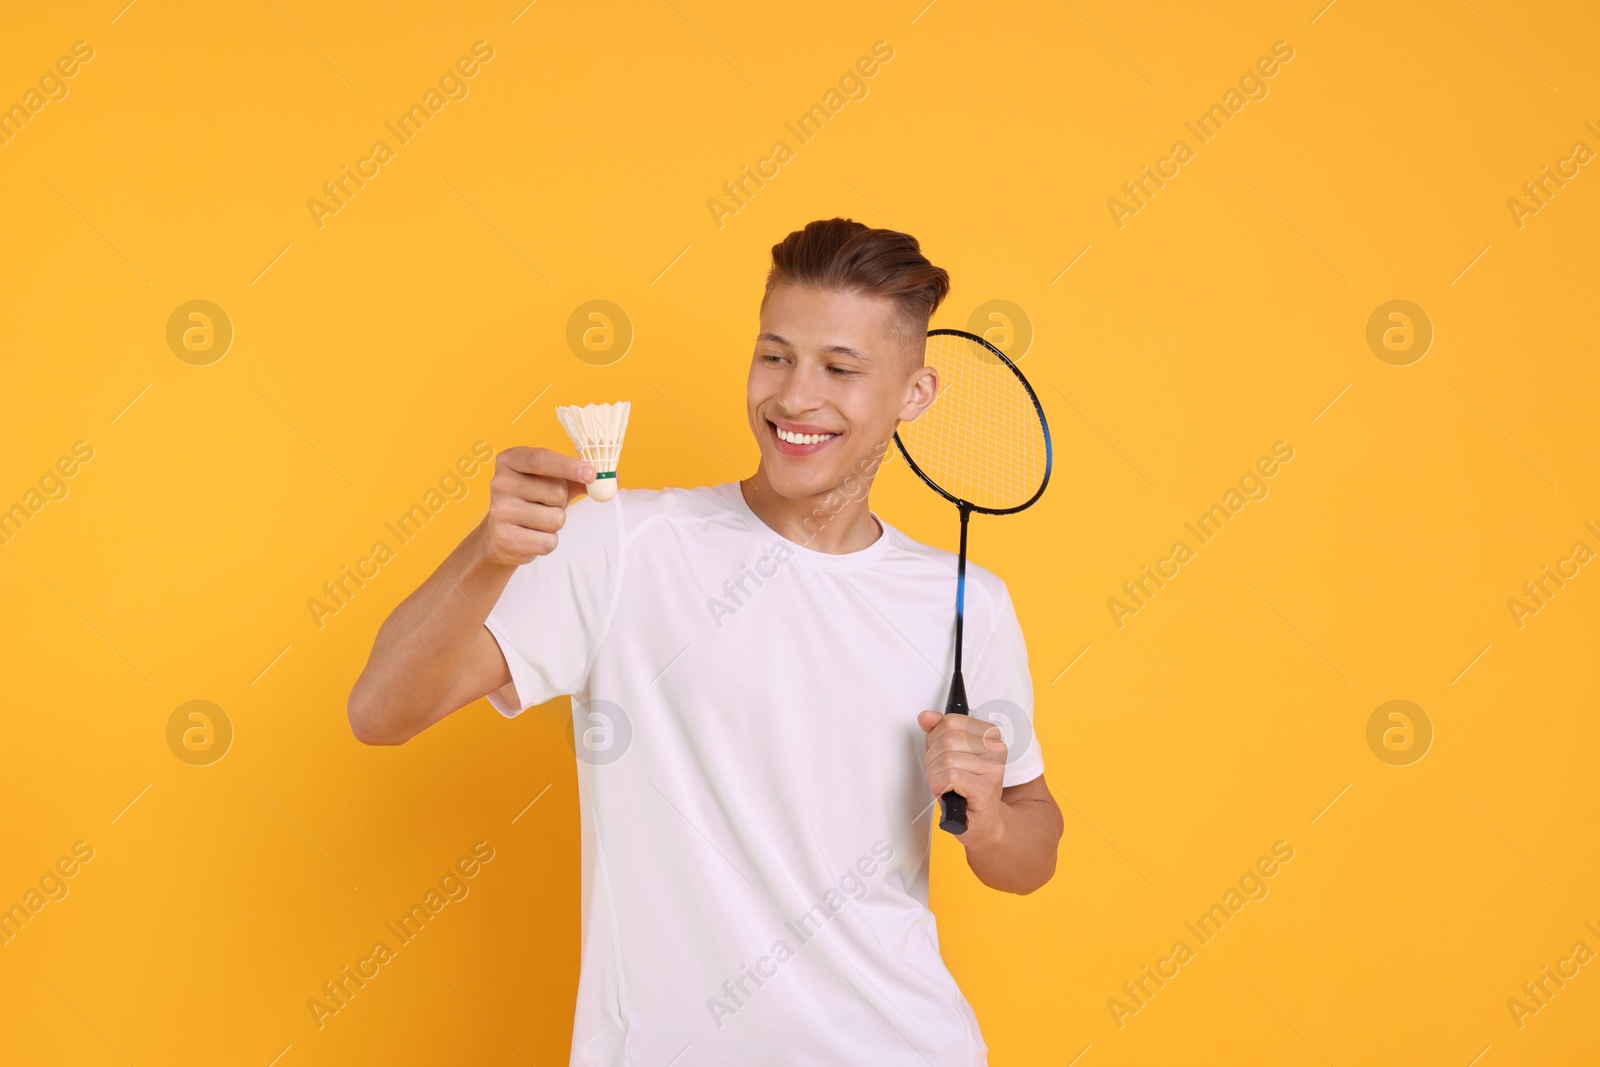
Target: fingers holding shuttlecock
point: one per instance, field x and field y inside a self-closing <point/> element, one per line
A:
<point x="596" y="431"/>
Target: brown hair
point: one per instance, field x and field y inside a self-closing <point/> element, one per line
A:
<point x="848" y="256"/>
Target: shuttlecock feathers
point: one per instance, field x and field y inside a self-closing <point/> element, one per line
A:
<point x="596" y="431"/>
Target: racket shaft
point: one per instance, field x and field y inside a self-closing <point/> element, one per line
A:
<point x="954" y="819"/>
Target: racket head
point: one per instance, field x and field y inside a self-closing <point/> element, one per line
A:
<point x="988" y="448"/>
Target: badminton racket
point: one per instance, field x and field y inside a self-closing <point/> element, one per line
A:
<point x="984" y="445"/>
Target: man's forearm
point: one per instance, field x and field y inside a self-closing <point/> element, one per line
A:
<point x="1021" y="856"/>
<point x="421" y="648"/>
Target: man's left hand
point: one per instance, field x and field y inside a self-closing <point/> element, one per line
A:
<point x="967" y="755"/>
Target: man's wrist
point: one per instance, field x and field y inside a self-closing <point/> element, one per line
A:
<point x="475" y="573"/>
<point x="478" y="559"/>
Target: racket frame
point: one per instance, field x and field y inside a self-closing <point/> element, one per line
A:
<point x="1038" y="409"/>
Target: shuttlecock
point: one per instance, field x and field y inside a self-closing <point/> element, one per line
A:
<point x="596" y="431"/>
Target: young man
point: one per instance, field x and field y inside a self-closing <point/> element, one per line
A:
<point x="751" y="666"/>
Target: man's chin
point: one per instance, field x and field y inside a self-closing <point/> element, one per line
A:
<point x="788" y="481"/>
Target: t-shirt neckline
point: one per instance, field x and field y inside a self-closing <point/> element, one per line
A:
<point x="829" y="560"/>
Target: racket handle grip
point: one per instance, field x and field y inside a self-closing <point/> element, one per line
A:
<point x="954" y="817"/>
<point x="953" y="805"/>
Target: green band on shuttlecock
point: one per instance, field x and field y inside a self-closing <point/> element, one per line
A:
<point x="606" y="474"/>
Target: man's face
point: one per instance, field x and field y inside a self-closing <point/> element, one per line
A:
<point x="830" y="380"/>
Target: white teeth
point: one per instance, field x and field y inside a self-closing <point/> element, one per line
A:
<point x="803" y="438"/>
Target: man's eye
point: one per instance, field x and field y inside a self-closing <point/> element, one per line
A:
<point x="844" y="372"/>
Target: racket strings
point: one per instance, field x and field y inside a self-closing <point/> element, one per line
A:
<point x="982" y="439"/>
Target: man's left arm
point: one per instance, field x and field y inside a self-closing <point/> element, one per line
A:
<point x="1012" y="831"/>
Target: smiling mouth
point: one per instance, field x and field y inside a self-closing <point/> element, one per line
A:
<point x="799" y="444"/>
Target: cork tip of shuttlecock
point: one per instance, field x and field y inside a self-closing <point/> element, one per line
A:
<point x="603" y="488"/>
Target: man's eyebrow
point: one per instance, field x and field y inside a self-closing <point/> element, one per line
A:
<point x="843" y="350"/>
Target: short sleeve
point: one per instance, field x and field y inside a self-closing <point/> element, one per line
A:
<point x="999" y="685"/>
<point x="554" y="611"/>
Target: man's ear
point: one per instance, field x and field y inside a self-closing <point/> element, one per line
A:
<point x="922" y="388"/>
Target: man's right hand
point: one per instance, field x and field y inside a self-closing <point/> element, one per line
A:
<point x="528" y="500"/>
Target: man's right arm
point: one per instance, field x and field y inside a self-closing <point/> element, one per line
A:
<point x="433" y="654"/>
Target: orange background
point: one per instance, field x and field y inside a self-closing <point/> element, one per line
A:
<point x="431" y="312"/>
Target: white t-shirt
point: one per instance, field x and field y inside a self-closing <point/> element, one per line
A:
<point x="755" y="821"/>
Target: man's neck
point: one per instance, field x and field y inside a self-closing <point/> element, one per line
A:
<point x="829" y="522"/>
